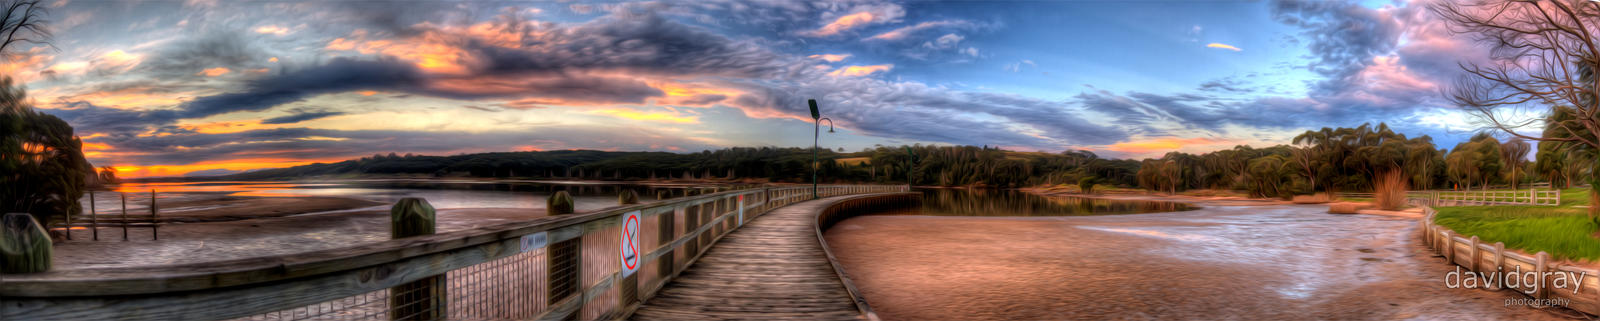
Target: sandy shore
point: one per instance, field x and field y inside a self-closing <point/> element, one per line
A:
<point x="1221" y="262"/>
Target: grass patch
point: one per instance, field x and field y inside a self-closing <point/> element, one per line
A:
<point x="854" y="161"/>
<point x="1564" y="232"/>
<point x="1574" y="197"/>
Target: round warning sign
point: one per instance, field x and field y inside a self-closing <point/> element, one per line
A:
<point x="630" y="243"/>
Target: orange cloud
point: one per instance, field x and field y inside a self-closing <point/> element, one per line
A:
<point x="858" y="71"/>
<point x="93" y="149"/>
<point x="1162" y="144"/>
<point x="830" y="57"/>
<point x="847" y="22"/>
<point x="213" y="72"/>
<point x="1223" y="46"/>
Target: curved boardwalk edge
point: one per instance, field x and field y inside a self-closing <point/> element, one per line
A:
<point x="774" y="267"/>
<point x="851" y="207"/>
<point x="1580" y="289"/>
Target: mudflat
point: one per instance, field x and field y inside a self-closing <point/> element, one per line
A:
<point x="1221" y="262"/>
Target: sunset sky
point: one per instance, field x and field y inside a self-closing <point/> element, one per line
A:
<point x="211" y="87"/>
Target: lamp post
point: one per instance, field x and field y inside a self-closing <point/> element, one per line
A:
<point x="816" y="136"/>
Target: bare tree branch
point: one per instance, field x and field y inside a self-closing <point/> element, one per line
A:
<point x="1542" y="53"/>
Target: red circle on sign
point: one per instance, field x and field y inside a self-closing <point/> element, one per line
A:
<point x="633" y="222"/>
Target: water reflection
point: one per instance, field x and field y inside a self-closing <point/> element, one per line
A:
<point x="440" y="193"/>
<point x="987" y="202"/>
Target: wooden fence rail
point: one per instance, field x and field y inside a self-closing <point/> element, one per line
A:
<point x="1533" y="196"/>
<point x="1580" y="288"/>
<point x="549" y="268"/>
<point x="93" y="221"/>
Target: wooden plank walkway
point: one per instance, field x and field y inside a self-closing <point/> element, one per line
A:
<point x="772" y="268"/>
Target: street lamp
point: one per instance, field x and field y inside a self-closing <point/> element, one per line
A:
<point x="816" y="136"/>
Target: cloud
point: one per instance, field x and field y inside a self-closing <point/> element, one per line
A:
<point x="273" y="30"/>
<point x="338" y="75"/>
<point x="1223" y="46"/>
<point x="300" y="117"/>
<point x="213" y="72"/>
<point x="830" y="57"/>
<point x="861" y="17"/>
<point x="1224" y="85"/>
<point x="907" y="31"/>
<point x="947" y="41"/>
<point x="1017" y="66"/>
<point x="858" y="71"/>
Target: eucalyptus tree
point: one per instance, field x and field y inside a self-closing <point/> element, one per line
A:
<point x="1514" y="154"/>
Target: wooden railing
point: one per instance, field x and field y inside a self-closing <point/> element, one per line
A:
<point x="550" y="268"/>
<point x="93" y="220"/>
<point x="1535" y="196"/>
<point x="1579" y="291"/>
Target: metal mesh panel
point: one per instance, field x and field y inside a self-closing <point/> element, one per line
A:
<point x="506" y="288"/>
<point x="600" y="256"/>
<point x="366" y="306"/>
<point x="563" y="266"/>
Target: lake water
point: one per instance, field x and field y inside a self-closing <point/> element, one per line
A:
<point x="439" y="193"/>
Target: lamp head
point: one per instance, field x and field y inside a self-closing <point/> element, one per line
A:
<point x="814" y="113"/>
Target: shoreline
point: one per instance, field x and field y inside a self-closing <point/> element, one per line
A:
<point x="1263" y="259"/>
<point x="1192" y="200"/>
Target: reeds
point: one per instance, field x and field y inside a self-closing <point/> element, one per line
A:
<point x="1389" y="190"/>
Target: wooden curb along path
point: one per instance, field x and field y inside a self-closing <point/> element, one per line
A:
<point x="775" y="267"/>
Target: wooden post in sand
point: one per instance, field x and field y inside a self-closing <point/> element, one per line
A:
<point x="154" y="227"/>
<point x="94" y="218"/>
<point x="124" y="216"/>
<point x="421" y="299"/>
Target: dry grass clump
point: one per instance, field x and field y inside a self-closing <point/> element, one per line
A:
<point x="1317" y="198"/>
<point x="1389" y="190"/>
<point x="1347" y="207"/>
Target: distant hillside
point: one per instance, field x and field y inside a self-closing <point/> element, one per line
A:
<point x="941" y="165"/>
<point x="591" y="164"/>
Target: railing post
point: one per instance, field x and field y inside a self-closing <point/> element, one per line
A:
<point x="1474" y="255"/>
<point x="1540" y="292"/>
<point x="558" y="204"/>
<point x="422" y="299"/>
<point x="24" y="244"/>
<point x="627" y="197"/>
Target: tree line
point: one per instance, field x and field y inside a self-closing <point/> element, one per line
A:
<point x="925" y="165"/>
<point x="1352" y="159"/>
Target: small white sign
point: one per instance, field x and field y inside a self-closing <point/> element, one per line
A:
<point x="535" y="241"/>
<point x="741" y="210"/>
<point x="631" y="258"/>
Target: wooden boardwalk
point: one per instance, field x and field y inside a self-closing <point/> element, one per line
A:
<point x="772" y="268"/>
